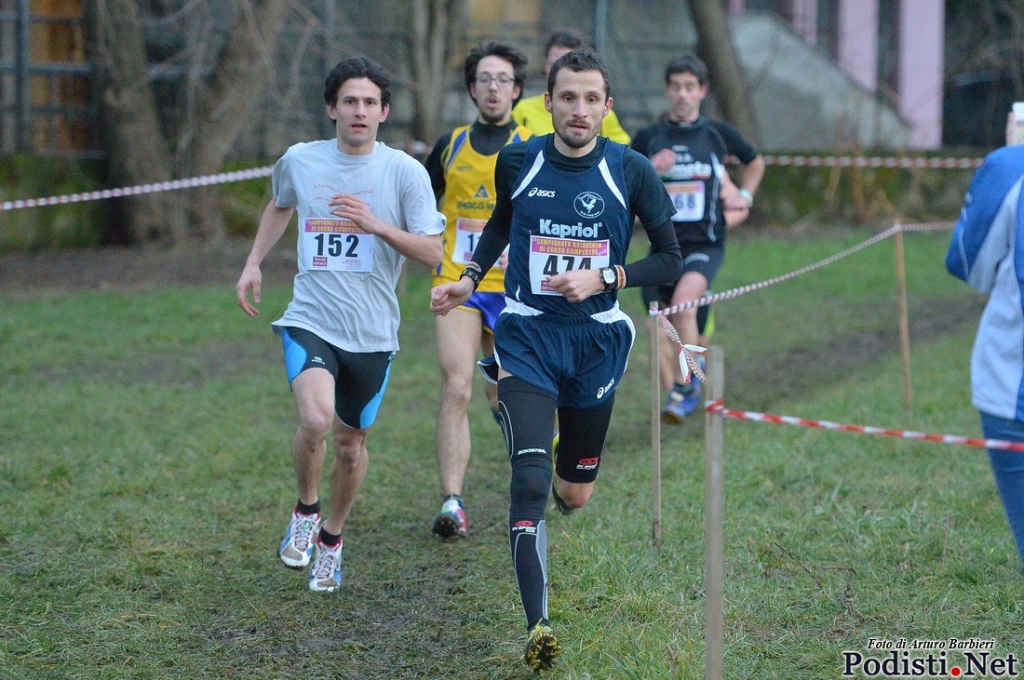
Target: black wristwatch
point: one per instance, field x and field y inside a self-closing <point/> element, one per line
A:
<point x="609" y="278"/>
<point x="474" y="274"/>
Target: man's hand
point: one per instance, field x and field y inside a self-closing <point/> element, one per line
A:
<point x="735" y="202"/>
<point x="251" y="278"/>
<point x="448" y="296"/>
<point x="663" y="161"/>
<point x="578" y="285"/>
<point x="350" y="207"/>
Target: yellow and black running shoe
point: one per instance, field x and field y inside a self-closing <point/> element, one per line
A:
<point x="542" y="648"/>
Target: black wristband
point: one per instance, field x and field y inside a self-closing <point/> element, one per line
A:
<point x="474" y="275"/>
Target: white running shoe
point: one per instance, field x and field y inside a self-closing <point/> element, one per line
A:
<point x="325" y="576"/>
<point x="297" y="547"/>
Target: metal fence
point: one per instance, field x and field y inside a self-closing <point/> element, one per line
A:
<point x="47" y="102"/>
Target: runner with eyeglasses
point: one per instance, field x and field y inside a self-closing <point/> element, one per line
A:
<point x="461" y="169"/>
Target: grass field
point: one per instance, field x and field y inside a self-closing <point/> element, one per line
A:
<point x="145" y="480"/>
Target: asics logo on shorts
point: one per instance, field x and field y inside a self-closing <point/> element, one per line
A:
<point x="606" y="389"/>
<point x="317" y="360"/>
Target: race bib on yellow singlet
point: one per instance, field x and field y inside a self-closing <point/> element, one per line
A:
<point x="333" y="244"/>
<point x="467" y="235"/>
<point x="688" y="198"/>
<point x="550" y="256"/>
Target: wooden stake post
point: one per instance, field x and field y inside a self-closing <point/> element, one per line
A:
<point x="901" y="285"/>
<point x="714" y="508"/>
<point x="655" y="333"/>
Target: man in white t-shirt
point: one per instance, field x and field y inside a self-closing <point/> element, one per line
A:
<point x="363" y="209"/>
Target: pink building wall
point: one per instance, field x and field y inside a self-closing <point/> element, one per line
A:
<point x="857" y="38"/>
<point x="920" y="69"/>
<point x="920" y="42"/>
<point x="805" y="19"/>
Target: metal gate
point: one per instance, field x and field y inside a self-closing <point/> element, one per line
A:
<point x="47" y="100"/>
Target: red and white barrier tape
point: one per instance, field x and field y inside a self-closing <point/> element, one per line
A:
<point x="687" y="362"/>
<point x="928" y="226"/>
<point x="794" y="160"/>
<point x="719" y="407"/>
<point x="742" y="290"/>
<point x="171" y="185"/>
<point x="918" y="163"/>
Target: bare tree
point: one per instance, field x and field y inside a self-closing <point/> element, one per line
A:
<point x="716" y="49"/>
<point x="139" y="151"/>
<point x="987" y="35"/>
<point x="435" y="31"/>
<point x="239" y="78"/>
<point x="221" y="70"/>
<point x="984" y="65"/>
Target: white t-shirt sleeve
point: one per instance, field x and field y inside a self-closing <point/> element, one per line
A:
<point x="282" y="182"/>
<point x="418" y="201"/>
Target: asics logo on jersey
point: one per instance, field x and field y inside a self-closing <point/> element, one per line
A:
<point x="606" y="389"/>
<point x="589" y="205"/>
<point x="549" y="228"/>
<point x="541" y="193"/>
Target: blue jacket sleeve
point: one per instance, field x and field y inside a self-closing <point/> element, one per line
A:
<point x="987" y="224"/>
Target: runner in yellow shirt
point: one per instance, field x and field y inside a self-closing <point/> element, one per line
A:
<point x="530" y="111"/>
<point x="461" y="169"/>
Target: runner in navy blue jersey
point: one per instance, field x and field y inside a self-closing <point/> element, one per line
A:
<point x="689" y="152"/>
<point x="566" y="204"/>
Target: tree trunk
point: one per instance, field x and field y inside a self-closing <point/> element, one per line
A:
<point x="434" y="31"/>
<point x="716" y="49"/>
<point x="240" y="77"/>
<point x="138" y="154"/>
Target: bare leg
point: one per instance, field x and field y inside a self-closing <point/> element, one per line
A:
<point x="350" y="463"/>
<point x="314" y="397"/>
<point x="458" y="336"/>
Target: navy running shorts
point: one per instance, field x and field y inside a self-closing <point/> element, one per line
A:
<point x="580" y="360"/>
<point x="360" y="379"/>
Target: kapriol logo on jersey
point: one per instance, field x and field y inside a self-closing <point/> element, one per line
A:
<point x="578" y="230"/>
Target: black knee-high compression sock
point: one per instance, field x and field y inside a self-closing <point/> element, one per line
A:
<point x="529" y="415"/>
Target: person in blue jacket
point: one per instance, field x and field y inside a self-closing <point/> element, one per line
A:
<point x="987" y="251"/>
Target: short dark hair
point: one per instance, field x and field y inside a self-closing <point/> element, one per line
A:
<point x="501" y="51"/>
<point x="569" y="37"/>
<point x="580" y="60"/>
<point x="687" y="63"/>
<point x="357" y="67"/>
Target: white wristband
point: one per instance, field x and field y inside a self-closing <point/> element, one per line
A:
<point x="747" y="196"/>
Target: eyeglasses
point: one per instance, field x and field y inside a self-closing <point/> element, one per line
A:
<point x="502" y="81"/>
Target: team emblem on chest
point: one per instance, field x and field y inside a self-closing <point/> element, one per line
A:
<point x="589" y="204"/>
